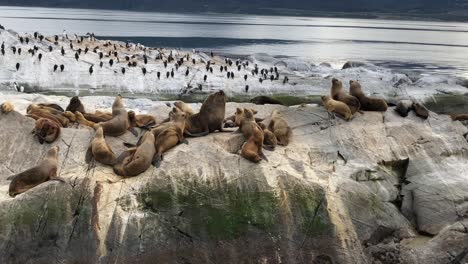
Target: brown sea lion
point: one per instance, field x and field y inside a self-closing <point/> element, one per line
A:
<point x="136" y="160"/>
<point x="75" y="105"/>
<point x="279" y="126"/>
<point x="170" y="136"/>
<point x="184" y="107"/>
<point x="337" y="107"/>
<point x="53" y="106"/>
<point x="338" y="94"/>
<point x="253" y="148"/>
<point x="210" y="118"/>
<point x="367" y="103"/>
<point x="46" y="130"/>
<point x="145" y="121"/>
<point x="459" y="117"/>
<point x="420" y="110"/>
<point x="262" y="100"/>
<point x="37" y="111"/>
<point x="70" y="116"/>
<point x="404" y="107"/>
<point x="7" y="107"/>
<point x="269" y="138"/>
<point x="235" y="120"/>
<point x="119" y="124"/>
<point x="100" y="150"/>
<point x="46" y="170"/>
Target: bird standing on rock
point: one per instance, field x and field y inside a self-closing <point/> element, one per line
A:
<point x="63" y="52"/>
<point x="17" y="66"/>
<point x="91" y="70"/>
<point x="55" y="67"/>
<point x="62" y="67"/>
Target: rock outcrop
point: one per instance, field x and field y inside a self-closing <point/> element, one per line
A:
<point x="378" y="189"/>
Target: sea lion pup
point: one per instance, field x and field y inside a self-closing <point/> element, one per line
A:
<point x="100" y="150"/>
<point x="279" y="126"/>
<point x="262" y="100"/>
<point x="269" y="138"/>
<point x="404" y="107"/>
<point x="170" y="136"/>
<point x="75" y="105"/>
<point x="46" y="170"/>
<point x="253" y="148"/>
<point x="184" y="107"/>
<point x="46" y="130"/>
<point x="338" y="94"/>
<point x="145" y="121"/>
<point x="236" y="118"/>
<point x="459" y="117"/>
<point x="337" y="107"/>
<point x="7" y="107"/>
<point x="136" y="160"/>
<point x="367" y="103"/>
<point x="210" y="118"/>
<point x="119" y="124"/>
<point x="420" y="110"/>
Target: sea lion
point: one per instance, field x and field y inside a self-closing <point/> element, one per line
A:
<point x="279" y="126"/>
<point x="210" y="118"/>
<point x="37" y="112"/>
<point x="404" y="107"/>
<point x="46" y="130"/>
<point x="269" y="138"/>
<point x="367" y="103"/>
<point x="119" y="124"/>
<point x="334" y="106"/>
<point x="136" y="160"/>
<point x="145" y="121"/>
<point x="253" y="148"/>
<point x="262" y="100"/>
<point x="420" y="110"/>
<point x="338" y="94"/>
<point x="459" y="117"/>
<point x="53" y="106"/>
<point x="75" y="105"/>
<point x="100" y="150"/>
<point x="184" y="107"/>
<point x="7" y="107"/>
<point x="46" y="170"/>
<point x="171" y="135"/>
<point x="235" y="120"/>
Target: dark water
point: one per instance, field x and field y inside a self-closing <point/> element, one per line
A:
<point x="430" y="47"/>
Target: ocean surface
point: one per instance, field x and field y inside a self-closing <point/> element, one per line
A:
<point x="419" y="46"/>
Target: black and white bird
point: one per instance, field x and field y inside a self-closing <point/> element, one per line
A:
<point x="62" y="67"/>
<point x="55" y="67"/>
<point x="91" y="70"/>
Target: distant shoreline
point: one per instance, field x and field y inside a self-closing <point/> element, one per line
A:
<point x="433" y="17"/>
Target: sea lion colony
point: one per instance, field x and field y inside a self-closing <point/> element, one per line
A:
<point x="182" y="121"/>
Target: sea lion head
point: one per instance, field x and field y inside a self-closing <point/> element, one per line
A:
<point x="46" y="130"/>
<point x="118" y="102"/>
<point x="53" y="152"/>
<point x="336" y="85"/>
<point x="219" y="97"/>
<point x="248" y="114"/>
<point x="354" y="87"/>
<point x="325" y="99"/>
<point x="238" y="116"/>
<point x="177" y="115"/>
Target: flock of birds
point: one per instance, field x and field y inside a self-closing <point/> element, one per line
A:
<point x="120" y="57"/>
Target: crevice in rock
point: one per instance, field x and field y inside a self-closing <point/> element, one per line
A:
<point x="399" y="167"/>
<point x="460" y="258"/>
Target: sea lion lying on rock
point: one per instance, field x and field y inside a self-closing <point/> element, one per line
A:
<point x="367" y="103"/>
<point x="338" y="94"/>
<point x="262" y="100"/>
<point x="46" y="130"/>
<point x="120" y="123"/>
<point x="46" y="170"/>
<point x="337" y="107"/>
<point x="7" y="107"/>
<point x="100" y="150"/>
<point x="404" y="107"/>
<point x="138" y="159"/>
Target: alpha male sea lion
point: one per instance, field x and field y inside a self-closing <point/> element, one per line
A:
<point x="280" y="128"/>
<point x="46" y="130"/>
<point x="337" y="107"/>
<point x="46" y="170"/>
<point x="100" y="150"/>
<point x="367" y="103"/>
<point x="338" y="94"/>
<point x="210" y="118"/>
<point x="138" y="159"/>
<point x="119" y="124"/>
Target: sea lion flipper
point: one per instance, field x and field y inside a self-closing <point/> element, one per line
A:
<point x="202" y="134"/>
<point x="157" y="160"/>
<point x="10" y="178"/>
<point x="133" y="131"/>
<point x="269" y="147"/>
<point x="262" y="155"/>
<point x="129" y="145"/>
<point x="185" y="141"/>
<point x="89" y="155"/>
